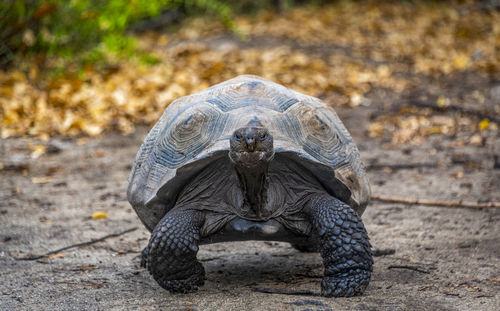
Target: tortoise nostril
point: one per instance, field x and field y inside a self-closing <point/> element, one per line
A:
<point x="250" y="140"/>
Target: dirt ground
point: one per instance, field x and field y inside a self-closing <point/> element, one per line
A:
<point x="47" y="203"/>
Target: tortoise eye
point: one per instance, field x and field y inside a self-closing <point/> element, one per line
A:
<point x="263" y="137"/>
<point x="237" y="137"/>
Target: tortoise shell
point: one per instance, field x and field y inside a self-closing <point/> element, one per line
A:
<point x="195" y="130"/>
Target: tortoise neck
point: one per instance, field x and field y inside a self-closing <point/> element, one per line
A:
<point x="254" y="183"/>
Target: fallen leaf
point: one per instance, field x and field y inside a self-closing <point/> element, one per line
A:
<point x="483" y="124"/>
<point x="99" y="153"/>
<point x="442" y="101"/>
<point x="82" y="141"/>
<point x="37" y="151"/>
<point x="461" y="61"/>
<point x="476" y="139"/>
<point x="99" y="215"/>
<point x="58" y="255"/>
<point x="41" y="180"/>
<point x="375" y="129"/>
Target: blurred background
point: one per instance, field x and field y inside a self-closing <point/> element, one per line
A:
<point x="80" y="67"/>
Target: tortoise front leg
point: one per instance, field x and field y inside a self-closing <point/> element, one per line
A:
<point x="344" y="246"/>
<point x="170" y="255"/>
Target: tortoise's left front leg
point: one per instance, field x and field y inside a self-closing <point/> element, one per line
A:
<point x="344" y="246"/>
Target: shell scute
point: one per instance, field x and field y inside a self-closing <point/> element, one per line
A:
<point x="189" y="134"/>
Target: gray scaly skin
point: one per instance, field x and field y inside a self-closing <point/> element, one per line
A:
<point x="343" y="242"/>
<point x="344" y="246"/>
<point x="171" y="254"/>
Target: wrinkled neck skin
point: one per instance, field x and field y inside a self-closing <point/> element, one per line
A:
<point x="251" y="150"/>
<point x="254" y="183"/>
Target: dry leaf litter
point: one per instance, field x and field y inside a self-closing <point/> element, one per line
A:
<point x="428" y="39"/>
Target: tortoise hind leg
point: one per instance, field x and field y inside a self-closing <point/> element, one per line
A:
<point x="144" y="257"/>
<point x="344" y="246"/>
<point x="170" y="256"/>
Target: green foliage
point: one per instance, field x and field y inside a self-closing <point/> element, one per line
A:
<point x="84" y="30"/>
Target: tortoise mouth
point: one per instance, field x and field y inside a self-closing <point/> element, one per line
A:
<point x="251" y="146"/>
<point x="250" y="158"/>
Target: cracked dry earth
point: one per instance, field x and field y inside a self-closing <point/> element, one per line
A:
<point x="46" y="203"/>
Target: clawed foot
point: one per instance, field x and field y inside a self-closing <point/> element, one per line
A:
<point x="346" y="284"/>
<point x="187" y="285"/>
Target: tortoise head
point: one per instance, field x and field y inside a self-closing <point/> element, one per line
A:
<point x="251" y="146"/>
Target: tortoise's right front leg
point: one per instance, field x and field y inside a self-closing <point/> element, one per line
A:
<point x="170" y="255"/>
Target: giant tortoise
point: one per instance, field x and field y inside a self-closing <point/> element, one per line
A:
<point x="249" y="159"/>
